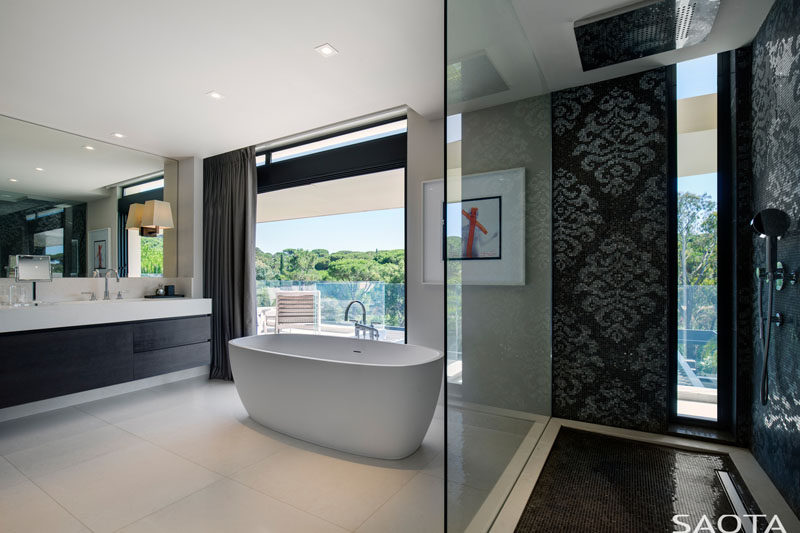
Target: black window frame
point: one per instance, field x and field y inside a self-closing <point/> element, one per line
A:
<point x="138" y="183"/>
<point x="357" y="159"/>
<point x="726" y="245"/>
<point x="376" y="155"/>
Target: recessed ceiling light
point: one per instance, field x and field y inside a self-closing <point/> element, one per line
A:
<point x="13" y="180"/>
<point x="117" y="135"/>
<point x="215" y="95"/>
<point x="326" y="50"/>
<point x="39" y="169"/>
<point x="87" y="147"/>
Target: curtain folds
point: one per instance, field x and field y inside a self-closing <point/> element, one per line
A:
<point x="229" y="276"/>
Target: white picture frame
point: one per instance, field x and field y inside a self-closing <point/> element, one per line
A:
<point x="99" y="250"/>
<point x="509" y="268"/>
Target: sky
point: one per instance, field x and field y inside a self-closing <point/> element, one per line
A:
<point x="385" y="230"/>
<point x="696" y="77"/>
<point x="357" y="232"/>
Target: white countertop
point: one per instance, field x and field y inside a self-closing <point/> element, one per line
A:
<point x="87" y="313"/>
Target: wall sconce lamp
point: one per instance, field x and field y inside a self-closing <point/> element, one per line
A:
<point x="150" y="218"/>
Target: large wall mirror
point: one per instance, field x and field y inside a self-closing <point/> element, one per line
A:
<point x="68" y="197"/>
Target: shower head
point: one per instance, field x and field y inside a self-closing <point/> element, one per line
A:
<point x="771" y="224"/>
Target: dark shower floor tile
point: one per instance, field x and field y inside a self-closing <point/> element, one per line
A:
<point x="597" y="483"/>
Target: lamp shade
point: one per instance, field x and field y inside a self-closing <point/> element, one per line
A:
<point x="135" y="212"/>
<point x="157" y="214"/>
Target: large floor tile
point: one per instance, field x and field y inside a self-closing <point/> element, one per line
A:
<point x="436" y="467"/>
<point x="417" y="507"/>
<point x="477" y="456"/>
<point x="37" y="429"/>
<point x="118" y="408"/>
<point x="224" y="445"/>
<point x="118" y="488"/>
<point x="57" y="454"/>
<point x="230" y="506"/>
<point x="208" y="396"/>
<point x="9" y="476"/>
<point x="343" y="491"/>
<point x="25" y="508"/>
<point x="484" y="420"/>
<point x="463" y="503"/>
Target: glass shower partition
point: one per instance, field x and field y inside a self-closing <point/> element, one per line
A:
<point x="497" y="260"/>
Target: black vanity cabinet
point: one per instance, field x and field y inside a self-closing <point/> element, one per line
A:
<point x="40" y="364"/>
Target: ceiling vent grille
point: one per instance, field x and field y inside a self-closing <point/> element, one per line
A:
<point x="644" y="30"/>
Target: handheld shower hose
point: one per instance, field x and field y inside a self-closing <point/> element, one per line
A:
<point x="770" y="224"/>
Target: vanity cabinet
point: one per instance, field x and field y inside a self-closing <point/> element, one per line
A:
<point x="40" y="364"/>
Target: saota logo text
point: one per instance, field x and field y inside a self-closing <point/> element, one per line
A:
<point x="727" y="523"/>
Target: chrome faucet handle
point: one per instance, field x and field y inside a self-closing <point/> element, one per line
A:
<point x="92" y="294"/>
<point x="119" y="294"/>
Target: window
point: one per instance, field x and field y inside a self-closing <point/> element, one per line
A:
<point x="698" y="331"/>
<point x="137" y="188"/>
<point x="333" y="243"/>
<point x="339" y="141"/>
<point x="140" y="256"/>
<point x="331" y="230"/>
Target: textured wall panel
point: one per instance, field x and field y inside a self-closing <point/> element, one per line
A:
<point x="506" y="330"/>
<point x="776" y="183"/>
<point x="609" y="252"/>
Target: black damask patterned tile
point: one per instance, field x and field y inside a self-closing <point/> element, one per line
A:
<point x="609" y="252"/>
<point x="776" y="183"/>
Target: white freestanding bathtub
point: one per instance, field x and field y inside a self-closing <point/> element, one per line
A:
<point x="359" y="396"/>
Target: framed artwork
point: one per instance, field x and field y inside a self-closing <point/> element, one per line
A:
<point x="99" y="240"/>
<point x="481" y="236"/>
<point x="484" y="233"/>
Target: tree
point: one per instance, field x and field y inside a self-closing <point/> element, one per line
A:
<point x="697" y="258"/>
<point x="152" y="255"/>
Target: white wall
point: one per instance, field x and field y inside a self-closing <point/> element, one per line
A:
<point x="189" y="221"/>
<point x="171" y="195"/>
<point x="101" y="214"/>
<point x="425" y="303"/>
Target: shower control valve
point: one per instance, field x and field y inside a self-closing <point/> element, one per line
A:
<point x="777" y="319"/>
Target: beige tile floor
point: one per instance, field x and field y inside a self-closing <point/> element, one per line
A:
<point x="185" y="457"/>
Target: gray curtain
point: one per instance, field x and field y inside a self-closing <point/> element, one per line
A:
<point x="229" y="227"/>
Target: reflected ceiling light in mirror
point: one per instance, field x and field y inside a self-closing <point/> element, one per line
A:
<point x="118" y="135"/>
<point x="87" y="147"/>
<point x="13" y="180"/>
<point x="39" y="169"/>
<point x="215" y="95"/>
<point x="326" y="50"/>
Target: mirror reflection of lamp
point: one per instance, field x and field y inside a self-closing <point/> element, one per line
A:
<point x="150" y="218"/>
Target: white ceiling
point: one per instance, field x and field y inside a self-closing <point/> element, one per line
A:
<point x="70" y="172"/>
<point x="143" y="68"/>
<point x="369" y="192"/>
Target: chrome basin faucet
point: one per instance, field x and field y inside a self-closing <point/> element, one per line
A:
<point x="109" y="273"/>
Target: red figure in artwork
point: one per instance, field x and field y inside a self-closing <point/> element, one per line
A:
<point x="100" y="256"/>
<point x="472" y="216"/>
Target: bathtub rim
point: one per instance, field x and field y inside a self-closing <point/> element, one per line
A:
<point x="438" y="357"/>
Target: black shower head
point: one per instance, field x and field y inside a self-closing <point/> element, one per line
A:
<point x="771" y="223"/>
